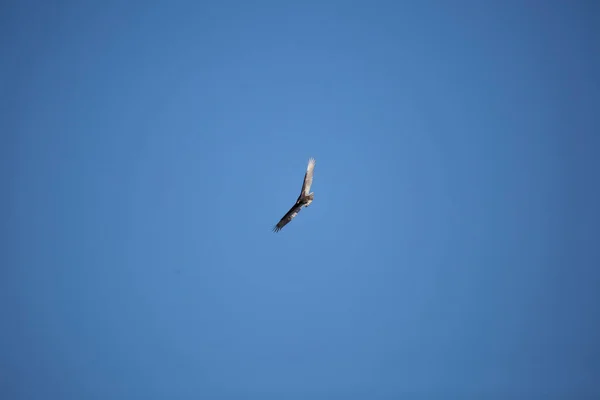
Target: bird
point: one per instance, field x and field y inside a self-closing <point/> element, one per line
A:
<point x="304" y="200"/>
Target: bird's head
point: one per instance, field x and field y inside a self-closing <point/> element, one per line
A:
<point x="309" y="199"/>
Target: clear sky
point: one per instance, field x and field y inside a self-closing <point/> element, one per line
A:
<point x="451" y="251"/>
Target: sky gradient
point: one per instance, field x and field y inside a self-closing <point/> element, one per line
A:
<point x="148" y="148"/>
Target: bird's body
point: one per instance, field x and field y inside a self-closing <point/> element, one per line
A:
<point x="304" y="200"/>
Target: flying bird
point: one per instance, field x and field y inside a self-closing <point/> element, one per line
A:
<point x="304" y="199"/>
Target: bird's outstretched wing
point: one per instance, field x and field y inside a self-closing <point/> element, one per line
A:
<point x="287" y="217"/>
<point x="308" y="177"/>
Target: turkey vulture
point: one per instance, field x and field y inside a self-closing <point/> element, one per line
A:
<point x="304" y="199"/>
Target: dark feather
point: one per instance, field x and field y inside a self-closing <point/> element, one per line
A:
<point x="288" y="217"/>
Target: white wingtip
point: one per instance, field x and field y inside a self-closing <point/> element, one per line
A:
<point x="311" y="163"/>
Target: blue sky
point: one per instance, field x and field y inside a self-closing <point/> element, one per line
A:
<point x="148" y="148"/>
